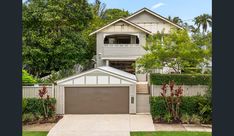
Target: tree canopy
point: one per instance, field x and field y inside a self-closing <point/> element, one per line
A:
<point x="27" y="78"/>
<point x="176" y="50"/>
<point x="52" y="38"/>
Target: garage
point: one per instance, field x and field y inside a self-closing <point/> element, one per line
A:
<point x="103" y="90"/>
<point x="96" y="100"/>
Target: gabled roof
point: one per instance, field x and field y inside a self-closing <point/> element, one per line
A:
<point x="119" y="72"/>
<point x="105" y="69"/>
<point x="154" y="14"/>
<point x="128" y="22"/>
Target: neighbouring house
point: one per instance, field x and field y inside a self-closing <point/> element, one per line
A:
<point x="112" y="87"/>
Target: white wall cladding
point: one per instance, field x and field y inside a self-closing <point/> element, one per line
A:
<point x="80" y="80"/>
<point x="189" y="90"/>
<point x="96" y="80"/>
<point x="103" y="80"/>
<point x="114" y="80"/>
<point x="91" y="80"/>
<point x="33" y="91"/>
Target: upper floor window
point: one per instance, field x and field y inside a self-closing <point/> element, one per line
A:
<point x="121" y="39"/>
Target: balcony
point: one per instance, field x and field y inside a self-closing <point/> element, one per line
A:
<point x="121" y="45"/>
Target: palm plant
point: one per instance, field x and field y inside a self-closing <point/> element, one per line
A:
<point x="203" y="21"/>
<point x="175" y="20"/>
<point x="99" y="8"/>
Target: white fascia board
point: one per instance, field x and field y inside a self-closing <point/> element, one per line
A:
<point x="130" y="23"/>
<point x="154" y="14"/>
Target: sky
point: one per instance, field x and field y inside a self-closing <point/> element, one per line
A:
<point x="185" y="9"/>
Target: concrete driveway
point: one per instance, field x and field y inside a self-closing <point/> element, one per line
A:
<point x="101" y="125"/>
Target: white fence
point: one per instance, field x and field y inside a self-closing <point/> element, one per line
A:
<point x="33" y="91"/>
<point x="189" y="90"/>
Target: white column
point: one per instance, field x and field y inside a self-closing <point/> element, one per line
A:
<point x="107" y="62"/>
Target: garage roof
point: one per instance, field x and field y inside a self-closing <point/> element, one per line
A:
<point x="105" y="69"/>
<point x="118" y="72"/>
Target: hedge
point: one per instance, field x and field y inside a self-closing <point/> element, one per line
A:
<point x="189" y="105"/>
<point x="186" y="79"/>
<point x="34" y="106"/>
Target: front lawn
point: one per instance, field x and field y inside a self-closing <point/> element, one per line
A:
<point x="34" y="133"/>
<point x="170" y="133"/>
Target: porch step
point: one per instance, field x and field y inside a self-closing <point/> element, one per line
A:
<point x="142" y="88"/>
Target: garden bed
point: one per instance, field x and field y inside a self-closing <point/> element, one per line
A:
<point x="54" y="119"/>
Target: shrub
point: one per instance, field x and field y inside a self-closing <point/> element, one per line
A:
<point x="24" y="104"/>
<point x="205" y="110"/>
<point x="167" y="117"/>
<point x="189" y="105"/>
<point x="185" y="118"/>
<point x="195" y="119"/>
<point x="172" y="101"/>
<point x="28" y="117"/>
<point x="35" y="106"/>
<point x="186" y="79"/>
<point x="157" y="106"/>
<point x="27" y="78"/>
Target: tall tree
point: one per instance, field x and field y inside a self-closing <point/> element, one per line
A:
<point x="203" y="21"/>
<point x="114" y="14"/>
<point x="52" y="38"/>
<point x="98" y="8"/>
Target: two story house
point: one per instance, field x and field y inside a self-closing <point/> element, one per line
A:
<point x="112" y="86"/>
<point x="121" y="42"/>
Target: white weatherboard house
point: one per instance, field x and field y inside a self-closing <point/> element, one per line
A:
<point x="112" y="87"/>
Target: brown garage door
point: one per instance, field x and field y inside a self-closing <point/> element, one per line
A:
<point x="96" y="100"/>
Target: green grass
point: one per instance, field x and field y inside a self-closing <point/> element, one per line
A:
<point x="170" y="133"/>
<point x="34" y="133"/>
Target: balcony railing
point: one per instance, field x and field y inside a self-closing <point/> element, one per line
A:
<point x="121" y="45"/>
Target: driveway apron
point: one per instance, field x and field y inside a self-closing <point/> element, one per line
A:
<point x="101" y="125"/>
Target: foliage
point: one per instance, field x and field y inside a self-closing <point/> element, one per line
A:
<point x="24" y="105"/>
<point x="189" y="105"/>
<point x="35" y="106"/>
<point x="172" y="101"/>
<point x="114" y="14"/>
<point x="98" y="8"/>
<point x="195" y="119"/>
<point x="167" y="117"/>
<point x="203" y="21"/>
<point x="185" y="79"/>
<point x="175" y="20"/>
<point x="157" y="106"/>
<point x="205" y="110"/>
<point x="48" y="107"/>
<point x="27" y="78"/>
<point x="28" y="117"/>
<point x="52" y="38"/>
<point x="176" y="51"/>
<point x="185" y="118"/>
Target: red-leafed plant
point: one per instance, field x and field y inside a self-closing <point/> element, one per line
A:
<point x="173" y="100"/>
<point x="42" y="93"/>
